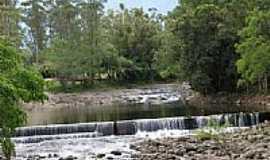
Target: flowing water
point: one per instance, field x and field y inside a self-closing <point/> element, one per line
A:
<point x="87" y="131"/>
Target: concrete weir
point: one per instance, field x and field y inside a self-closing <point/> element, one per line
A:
<point x="131" y="127"/>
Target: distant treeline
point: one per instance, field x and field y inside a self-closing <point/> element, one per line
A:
<point x="215" y="45"/>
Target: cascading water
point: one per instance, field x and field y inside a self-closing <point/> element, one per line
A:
<point x="131" y="127"/>
<point x="87" y="140"/>
<point x="160" y="124"/>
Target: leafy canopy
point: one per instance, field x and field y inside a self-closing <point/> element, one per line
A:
<point x="18" y="83"/>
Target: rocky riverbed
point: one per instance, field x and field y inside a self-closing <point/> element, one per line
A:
<point x="157" y="93"/>
<point x="230" y="99"/>
<point x="252" y="143"/>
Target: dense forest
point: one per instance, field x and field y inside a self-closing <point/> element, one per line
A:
<point x="215" y="45"/>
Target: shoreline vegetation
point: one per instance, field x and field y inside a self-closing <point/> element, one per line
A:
<point x="220" y="47"/>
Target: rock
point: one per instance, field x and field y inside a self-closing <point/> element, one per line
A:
<point x="42" y="157"/>
<point x="249" y="155"/>
<point x="238" y="102"/>
<point x="190" y="149"/>
<point x="55" y="155"/>
<point x="179" y="152"/>
<point x="69" y="158"/>
<point x="101" y="155"/>
<point x="252" y="143"/>
<point x="162" y="149"/>
<point x="116" y="153"/>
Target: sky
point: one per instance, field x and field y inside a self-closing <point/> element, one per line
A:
<point x="163" y="6"/>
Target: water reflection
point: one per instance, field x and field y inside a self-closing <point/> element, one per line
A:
<point x="75" y="114"/>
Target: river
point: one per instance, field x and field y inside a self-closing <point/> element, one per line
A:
<point x="88" y="132"/>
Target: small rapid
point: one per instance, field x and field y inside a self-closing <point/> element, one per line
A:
<point x="90" y="140"/>
<point x="35" y="134"/>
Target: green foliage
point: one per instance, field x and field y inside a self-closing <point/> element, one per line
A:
<point x="212" y="131"/>
<point x="119" y="46"/>
<point x="166" y="59"/>
<point x="206" y="51"/>
<point x="75" y="41"/>
<point x="9" y="21"/>
<point x="8" y="148"/>
<point x="17" y="84"/>
<point x="134" y="35"/>
<point x="35" y="17"/>
<point x="205" y="135"/>
<point x="254" y="64"/>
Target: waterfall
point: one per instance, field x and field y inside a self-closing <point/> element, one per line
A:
<point x="131" y="127"/>
<point x="55" y="129"/>
<point x="159" y="124"/>
<point x="241" y="120"/>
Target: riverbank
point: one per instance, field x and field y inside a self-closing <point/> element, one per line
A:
<point x="161" y="93"/>
<point x="252" y="143"/>
<point x="172" y="92"/>
<point x="229" y="99"/>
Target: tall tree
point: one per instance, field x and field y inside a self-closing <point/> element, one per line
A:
<point x="254" y="49"/>
<point x="36" y="19"/>
<point x="78" y="54"/>
<point x="207" y="31"/>
<point x="9" y="21"/>
<point x="134" y="37"/>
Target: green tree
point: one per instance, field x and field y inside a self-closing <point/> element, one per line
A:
<point x="36" y="18"/>
<point x="78" y="55"/>
<point x="254" y="64"/>
<point x="166" y="58"/>
<point x="207" y="31"/>
<point x="9" y="20"/>
<point x="134" y="36"/>
<point x="18" y="83"/>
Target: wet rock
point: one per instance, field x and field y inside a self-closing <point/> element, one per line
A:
<point x="134" y="147"/>
<point x="249" y="155"/>
<point x="55" y="155"/>
<point x="116" y="153"/>
<point x="69" y="158"/>
<point x="247" y="144"/>
<point x="191" y="148"/>
<point x="42" y="157"/>
<point x="179" y="152"/>
<point x="101" y="155"/>
<point x="110" y="158"/>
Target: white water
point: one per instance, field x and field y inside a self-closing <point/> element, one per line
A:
<point x="83" y="148"/>
<point x="88" y="148"/>
<point x="87" y="145"/>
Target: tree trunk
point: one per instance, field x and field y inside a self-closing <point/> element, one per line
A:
<point x="265" y="84"/>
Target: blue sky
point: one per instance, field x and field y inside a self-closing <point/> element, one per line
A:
<point x="163" y="6"/>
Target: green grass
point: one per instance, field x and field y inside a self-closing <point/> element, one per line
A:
<point x="212" y="131"/>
